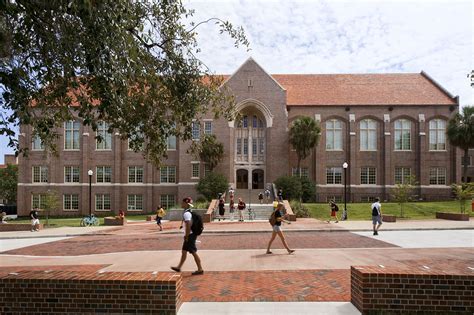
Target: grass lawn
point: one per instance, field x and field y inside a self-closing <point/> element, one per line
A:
<point x="61" y="221"/>
<point x="412" y="211"/>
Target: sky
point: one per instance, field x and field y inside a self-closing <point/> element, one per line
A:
<point x="342" y="37"/>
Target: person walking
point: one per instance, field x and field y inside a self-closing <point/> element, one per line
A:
<point x="160" y="214"/>
<point x="241" y="208"/>
<point x="278" y="218"/>
<point x="221" y="206"/>
<point x="267" y="195"/>
<point x="260" y="197"/>
<point x="280" y="195"/>
<point x="376" y="215"/>
<point x="334" y="210"/>
<point x="34" y="220"/>
<point x="189" y="243"/>
<point x="231" y="209"/>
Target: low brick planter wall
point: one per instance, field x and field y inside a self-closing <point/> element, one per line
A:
<point x="79" y="292"/>
<point x="8" y="227"/>
<point x="114" y="221"/>
<point x="389" y="218"/>
<point x="377" y="290"/>
<point x="452" y="216"/>
<point x="151" y="218"/>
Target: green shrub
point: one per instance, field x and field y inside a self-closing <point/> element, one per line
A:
<point x="211" y="185"/>
<point x="300" y="210"/>
<point x="294" y="188"/>
<point x="308" y="190"/>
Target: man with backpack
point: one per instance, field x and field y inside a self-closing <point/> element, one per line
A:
<point x="193" y="227"/>
<point x="376" y="215"/>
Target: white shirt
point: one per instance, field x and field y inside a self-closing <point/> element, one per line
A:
<point x="376" y="205"/>
<point x="187" y="216"/>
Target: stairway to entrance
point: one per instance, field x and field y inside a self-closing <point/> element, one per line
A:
<point x="262" y="212"/>
<point x="245" y="195"/>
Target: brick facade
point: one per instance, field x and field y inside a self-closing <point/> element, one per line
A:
<point x="275" y="102"/>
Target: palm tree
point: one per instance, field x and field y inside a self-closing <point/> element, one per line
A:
<point x="211" y="151"/>
<point x="304" y="136"/>
<point x="460" y="133"/>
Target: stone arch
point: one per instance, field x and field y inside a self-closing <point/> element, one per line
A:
<point x="258" y="105"/>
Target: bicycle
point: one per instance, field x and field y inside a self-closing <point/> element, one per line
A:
<point x="89" y="220"/>
<point x="252" y="214"/>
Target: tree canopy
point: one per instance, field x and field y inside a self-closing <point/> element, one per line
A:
<point x="209" y="150"/>
<point x="304" y="136"/>
<point x="460" y="133"/>
<point x="8" y="183"/>
<point x="130" y="63"/>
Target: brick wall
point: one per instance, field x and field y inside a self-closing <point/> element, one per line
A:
<point x="390" y="290"/>
<point x="17" y="227"/>
<point x="87" y="292"/>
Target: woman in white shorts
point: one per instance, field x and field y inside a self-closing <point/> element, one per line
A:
<point x="277" y="229"/>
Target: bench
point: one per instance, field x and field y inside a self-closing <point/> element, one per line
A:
<point x="8" y="227"/>
<point x="114" y="221"/>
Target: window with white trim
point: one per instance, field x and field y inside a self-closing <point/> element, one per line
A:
<point x="333" y="134"/>
<point x="38" y="201"/>
<point x="196" y="130"/>
<point x="334" y="175"/>
<point x="194" y="169"/>
<point x="103" y="174"/>
<point x="367" y="199"/>
<point x="437" y="176"/>
<point x="402" y="135"/>
<point x="167" y="201"/>
<point x="335" y="198"/>
<point x="71" y="202"/>
<point x="40" y="174"/>
<point x="135" y="174"/>
<point x="239" y="146"/>
<point x="168" y="174"/>
<point x="105" y="141"/>
<point x="37" y="144"/>
<point x="135" y="202"/>
<point x="71" y="174"/>
<point x="368" y="135"/>
<point x="207" y="127"/>
<point x="368" y="176"/>
<point x="171" y="143"/>
<point x="102" y="202"/>
<point x="437" y="135"/>
<point x="207" y="169"/>
<point x="304" y="172"/>
<point x="71" y="135"/>
<point x="402" y="175"/>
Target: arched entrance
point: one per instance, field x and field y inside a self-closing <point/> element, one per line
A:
<point x="257" y="179"/>
<point x="242" y="179"/>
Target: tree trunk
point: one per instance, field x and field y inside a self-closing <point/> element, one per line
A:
<point x="298" y="167"/>
<point x="466" y="159"/>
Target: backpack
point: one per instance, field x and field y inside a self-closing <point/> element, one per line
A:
<point x="272" y="219"/>
<point x="336" y="208"/>
<point x="375" y="211"/>
<point x="198" y="226"/>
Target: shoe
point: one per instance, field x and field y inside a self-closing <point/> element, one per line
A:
<point x="376" y="233"/>
<point x="32" y="230"/>
<point x="176" y="269"/>
<point x="197" y="272"/>
<point x="291" y="251"/>
<point x="269" y="252"/>
<point x="327" y="221"/>
<point x="336" y="222"/>
<point x="37" y="230"/>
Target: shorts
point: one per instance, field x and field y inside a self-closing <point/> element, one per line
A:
<point x="190" y="244"/>
<point x="376" y="219"/>
<point x="277" y="228"/>
<point x="333" y="213"/>
<point x="35" y="222"/>
<point x="158" y="220"/>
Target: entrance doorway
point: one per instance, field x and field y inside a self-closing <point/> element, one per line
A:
<point x="242" y="179"/>
<point x="257" y="179"/>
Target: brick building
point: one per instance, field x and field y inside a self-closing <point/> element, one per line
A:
<point x="385" y="126"/>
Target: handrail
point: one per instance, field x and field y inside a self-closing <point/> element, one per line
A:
<point x="289" y="211"/>
<point x="208" y="216"/>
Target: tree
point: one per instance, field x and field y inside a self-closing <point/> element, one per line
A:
<point x="304" y="136"/>
<point x="463" y="193"/>
<point x="209" y="150"/>
<point x="129" y="63"/>
<point x="291" y="187"/>
<point x="8" y="183"/>
<point x="308" y="190"/>
<point x="50" y="203"/>
<point x="403" y="192"/>
<point x="460" y="133"/>
<point x="211" y="185"/>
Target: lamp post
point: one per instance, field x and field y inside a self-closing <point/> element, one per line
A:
<point x="90" y="173"/>
<point x="344" y="214"/>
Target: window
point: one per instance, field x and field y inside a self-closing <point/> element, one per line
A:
<point x="137" y="136"/>
<point x="207" y="169"/>
<point x="71" y="135"/>
<point x="336" y="198"/>
<point x="437" y="135"/>
<point x="333" y="134"/>
<point x="246" y="146"/>
<point x="135" y="174"/>
<point x="368" y="135"/>
<point x="239" y="146"/>
<point x="195" y="170"/>
<point x="367" y="176"/>
<point x="71" y="174"/>
<point x="402" y="175"/>
<point x="102" y="202"/>
<point x="208" y="127"/>
<point x="334" y="175"/>
<point x="437" y="176"/>
<point x="469" y="160"/>
<point x="71" y="202"/>
<point x="135" y="202"/>
<point x="168" y="174"/>
<point x="103" y="174"/>
<point x="402" y="134"/>
<point x="105" y="141"/>
<point x="37" y="144"/>
<point x="167" y="201"/>
<point x="245" y="122"/>
<point x="367" y="199"/>
<point x="40" y="174"/>
<point x="304" y="172"/>
<point x="38" y="201"/>
<point x="196" y="130"/>
<point x="171" y="143"/>
<point x="254" y="146"/>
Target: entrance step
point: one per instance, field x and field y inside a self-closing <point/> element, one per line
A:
<point x="245" y="194"/>
<point x="262" y="212"/>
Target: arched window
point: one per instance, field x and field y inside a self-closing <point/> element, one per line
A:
<point x="333" y="134"/>
<point x="403" y="135"/>
<point x="437" y="135"/>
<point x="368" y="135"/>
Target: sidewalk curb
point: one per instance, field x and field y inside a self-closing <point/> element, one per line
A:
<point x="50" y="236"/>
